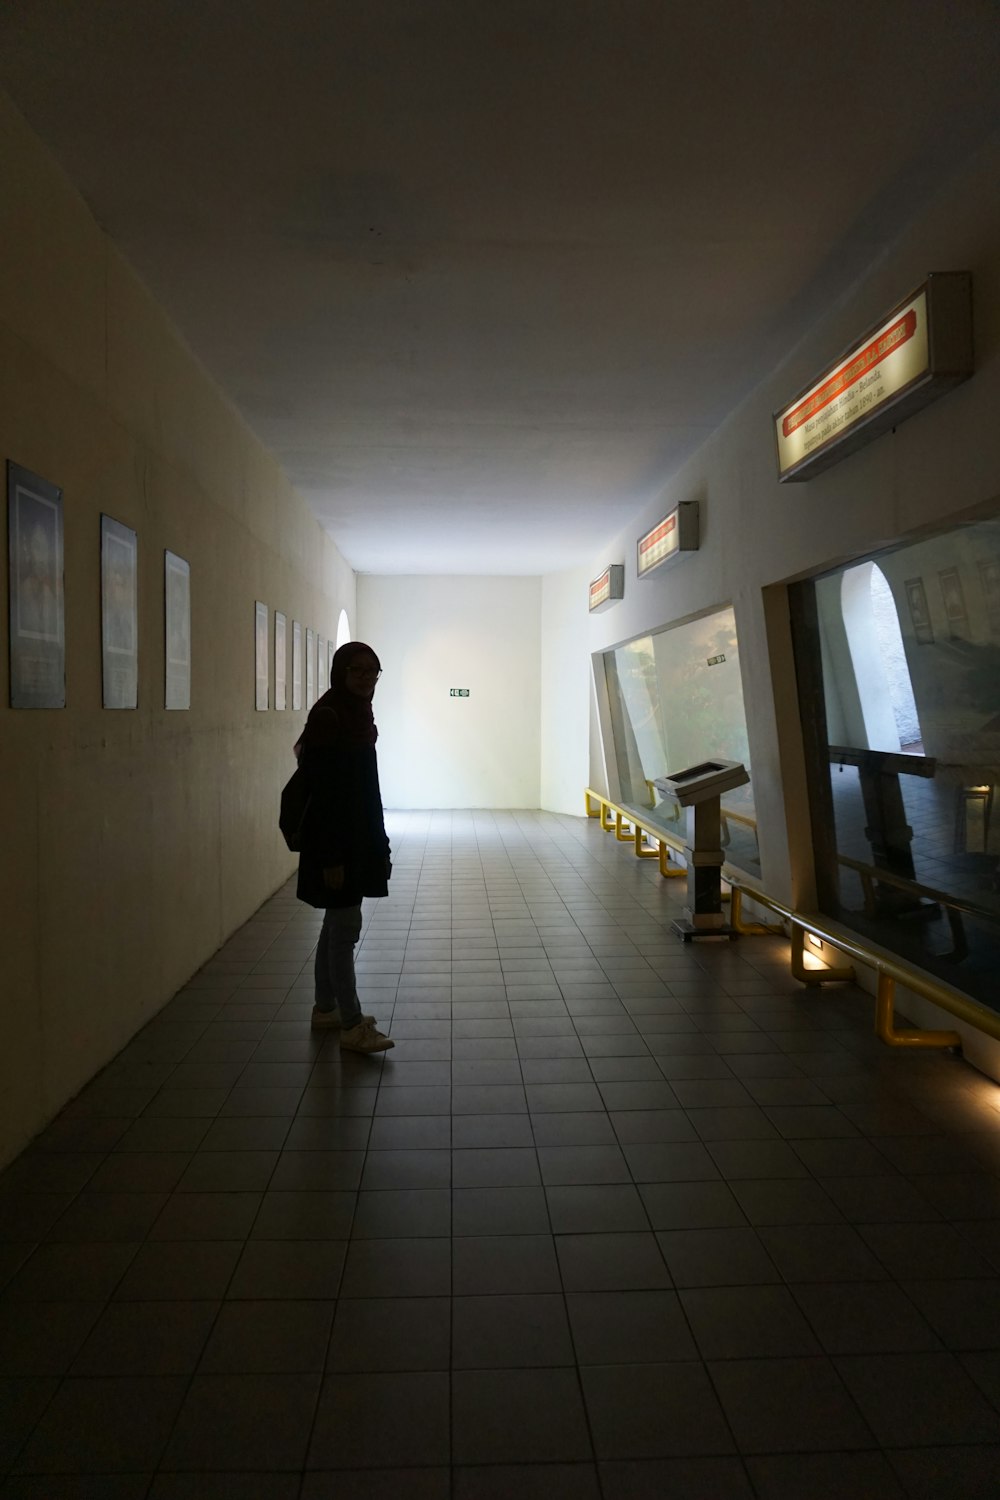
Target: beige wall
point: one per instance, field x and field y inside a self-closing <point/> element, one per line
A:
<point x="433" y="634"/>
<point x="566" y="686"/>
<point x="133" y="843"/>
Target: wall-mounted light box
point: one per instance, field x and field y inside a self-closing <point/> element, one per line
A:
<point x="677" y="532"/>
<point x="607" y="589"/>
<point x="918" y="352"/>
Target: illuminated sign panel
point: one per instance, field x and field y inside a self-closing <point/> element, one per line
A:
<point x="919" y="351"/>
<point x="609" y="588"/>
<point x="677" y="532"/>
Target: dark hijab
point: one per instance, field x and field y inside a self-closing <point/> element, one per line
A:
<point x="341" y="719"/>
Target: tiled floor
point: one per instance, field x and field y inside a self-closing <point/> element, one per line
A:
<point x="617" y="1217"/>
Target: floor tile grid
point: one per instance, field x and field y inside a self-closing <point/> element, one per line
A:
<point x="500" y="912"/>
<point x="232" y="949"/>
<point x="434" y="892"/>
<point x="852" y="1478"/>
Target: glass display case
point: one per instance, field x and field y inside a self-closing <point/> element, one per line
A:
<point x="898" y="664"/>
<point x="675" y="698"/>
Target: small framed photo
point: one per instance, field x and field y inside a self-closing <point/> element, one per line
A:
<point x="177" y="611"/>
<point x="296" y="665"/>
<point x="989" y="577"/>
<point x="119" y="615"/>
<point x="920" y="614"/>
<point x="954" y="603"/>
<point x="36" y="591"/>
<point x="310" y="667"/>
<point x="280" y="659"/>
<point x="321" y="685"/>
<point x="260" y="619"/>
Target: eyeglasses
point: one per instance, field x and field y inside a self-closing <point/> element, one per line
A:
<point x="356" y="669"/>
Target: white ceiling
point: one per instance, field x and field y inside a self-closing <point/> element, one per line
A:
<point x="482" y="273"/>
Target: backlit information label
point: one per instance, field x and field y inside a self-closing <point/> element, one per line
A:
<point x="657" y="544"/>
<point x="677" y="532"/>
<point x="600" y="589"/>
<point x="608" y="588"/>
<point x="874" y="373"/>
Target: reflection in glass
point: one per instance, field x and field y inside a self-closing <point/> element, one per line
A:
<point x="676" y="698"/>
<point x="177" y="602"/>
<point x="906" y="749"/>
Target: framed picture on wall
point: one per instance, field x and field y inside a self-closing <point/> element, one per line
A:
<point x="119" y="615"/>
<point x="953" y="596"/>
<point x="989" y="577"/>
<point x="260" y="619"/>
<point x="920" y="615"/>
<point x="177" y="609"/>
<point x="310" y="667"/>
<point x="331" y="652"/>
<point x="296" y="665"/>
<point x="321" y="684"/>
<point x="36" y="591"/>
<point x="280" y="659"/>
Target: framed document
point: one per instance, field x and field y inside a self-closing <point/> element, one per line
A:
<point x="280" y="659"/>
<point x="331" y="652"/>
<point x="296" y="665"/>
<point x="310" y="667"/>
<point x="321" y="685"/>
<point x="920" y="615"/>
<point x="954" y="603"/>
<point x="260" y="617"/>
<point x="989" y="577"/>
<point x="177" y="608"/>
<point x="36" y="591"/>
<point x="119" y="615"/>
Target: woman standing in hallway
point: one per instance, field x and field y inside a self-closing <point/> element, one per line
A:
<point x="345" y="852"/>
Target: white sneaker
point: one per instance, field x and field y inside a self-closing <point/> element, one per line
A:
<point x="329" y="1020"/>
<point x="365" y="1038"/>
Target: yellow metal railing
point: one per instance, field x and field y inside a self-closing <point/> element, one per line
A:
<point x="647" y="842"/>
<point x="614" y="818"/>
<point x="889" y="969"/>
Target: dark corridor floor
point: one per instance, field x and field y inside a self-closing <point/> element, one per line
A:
<point x="615" y="1218"/>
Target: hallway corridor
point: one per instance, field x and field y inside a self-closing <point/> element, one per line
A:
<point x="616" y="1217"/>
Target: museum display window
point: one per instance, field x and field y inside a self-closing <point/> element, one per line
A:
<point x="898" y="665"/>
<point x="675" y="698"/>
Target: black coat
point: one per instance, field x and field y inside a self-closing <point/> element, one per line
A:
<point x="343" y="826"/>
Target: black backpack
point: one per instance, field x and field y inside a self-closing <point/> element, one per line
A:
<point x="294" y="806"/>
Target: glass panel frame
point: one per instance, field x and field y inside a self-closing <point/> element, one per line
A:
<point x="905" y="837"/>
<point x="673" y="697"/>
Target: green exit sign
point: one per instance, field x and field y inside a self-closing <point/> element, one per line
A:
<point x="459" y="692"/>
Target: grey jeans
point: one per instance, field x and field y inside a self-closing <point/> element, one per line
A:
<point x="336" y="988"/>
